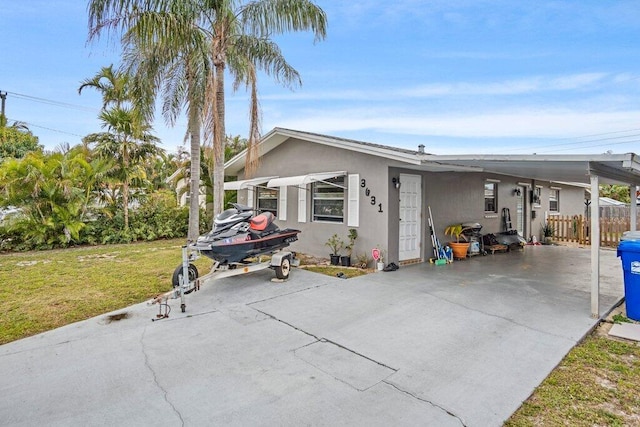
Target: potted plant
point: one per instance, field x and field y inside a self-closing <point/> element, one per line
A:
<point x="346" y="260"/>
<point x="380" y="259"/>
<point x="459" y="248"/>
<point x="336" y="244"/>
<point x="547" y="232"/>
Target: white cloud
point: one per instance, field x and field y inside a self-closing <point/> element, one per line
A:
<point x="511" y="87"/>
<point x="526" y="85"/>
<point x="498" y="124"/>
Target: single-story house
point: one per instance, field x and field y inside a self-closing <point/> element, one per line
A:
<point x="323" y="185"/>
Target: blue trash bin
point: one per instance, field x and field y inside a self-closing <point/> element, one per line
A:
<point x="629" y="252"/>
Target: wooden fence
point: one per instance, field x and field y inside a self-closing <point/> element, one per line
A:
<point x="576" y="229"/>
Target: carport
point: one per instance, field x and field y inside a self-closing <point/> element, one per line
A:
<point x="621" y="169"/>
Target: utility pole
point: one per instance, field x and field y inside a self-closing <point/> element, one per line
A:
<point x="3" y="96"/>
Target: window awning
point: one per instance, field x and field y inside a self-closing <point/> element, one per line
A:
<point x="304" y="179"/>
<point x="241" y="185"/>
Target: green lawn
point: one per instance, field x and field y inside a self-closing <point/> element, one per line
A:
<point x="597" y="384"/>
<point x="47" y="289"/>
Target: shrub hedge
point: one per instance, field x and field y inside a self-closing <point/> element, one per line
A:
<point x="157" y="217"/>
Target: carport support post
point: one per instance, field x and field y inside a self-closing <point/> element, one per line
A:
<point x="595" y="247"/>
<point x="633" y="207"/>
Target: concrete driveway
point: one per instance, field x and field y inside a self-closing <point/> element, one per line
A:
<point x="462" y="344"/>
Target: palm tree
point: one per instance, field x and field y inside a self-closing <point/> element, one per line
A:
<point x="16" y="140"/>
<point x="159" y="168"/>
<point x="233" y="145"/>
<point x="128" y="138"/>
<point x="127" y="142"/>
<point x="49" y="190"/>
<point x="17" y="125"/>
<point x="165" y="50"/>
<point x="112" y="85"/>
<point x="240" y="40"/>
<point x="169" y="34"/>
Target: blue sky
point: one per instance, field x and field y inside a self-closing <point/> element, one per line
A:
<point x="481" y="76"/>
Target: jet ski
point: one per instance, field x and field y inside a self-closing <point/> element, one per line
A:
<point x="239" y="234"/>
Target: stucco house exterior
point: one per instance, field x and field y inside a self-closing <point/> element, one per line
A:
<point x="324" y="185"/>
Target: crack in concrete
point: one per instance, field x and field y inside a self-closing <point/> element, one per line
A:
<point x="510" y="320"/>
<point x="155" y="378"/>
<point x="288" y="324"/>
<point x="360" y="355"/>
<point x="287" y="294"/>
<point x="322" y="339"/>
<point x="435" y="405"/>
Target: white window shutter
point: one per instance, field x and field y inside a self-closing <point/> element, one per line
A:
<point x="302" y="204"/>
<point x="353" y="199"/>
<point x="250" y="197"/>
<point x="282" y="208"/>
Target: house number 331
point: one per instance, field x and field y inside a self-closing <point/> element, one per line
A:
<point x="367" y="192"/>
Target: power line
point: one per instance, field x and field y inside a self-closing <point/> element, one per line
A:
<point x="602" y="134"/>
<point x="53" y="102"/>
<point x="47" y="128"/>
<point x="602" y="145"/>
<point x="49" y="102"/>
<point x="593" y="140"/>
<point x="574" y="143"/>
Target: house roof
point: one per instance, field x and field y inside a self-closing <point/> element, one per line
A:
<point x="608" y="201"/>
<point x="279" y="135"/>
<point x="611" y="168"/>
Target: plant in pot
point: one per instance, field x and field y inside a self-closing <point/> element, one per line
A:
<point x="547" y="232"/>
<point x="336" y="244"/>
<point x="459" y="248"/>
<point x="346" y="260"/>
<point x="379" y="259"/>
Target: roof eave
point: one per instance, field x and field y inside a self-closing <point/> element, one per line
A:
<point x="279" y="135"/>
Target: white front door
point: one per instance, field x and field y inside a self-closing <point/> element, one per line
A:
<point x="520" y="209"/>
<point x="410" y="216"/>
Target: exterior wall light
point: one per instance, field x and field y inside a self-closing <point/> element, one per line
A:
<point x="396" y="182"/>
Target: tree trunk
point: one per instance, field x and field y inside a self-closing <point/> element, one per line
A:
<point x="125" y="202"/>
<point x="125" y="186"/>
<point x="194" y="175"/>
<point x="219" y="141"/>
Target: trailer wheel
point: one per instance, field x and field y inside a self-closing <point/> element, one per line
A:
<point x="176" y="280"/>
<point x="283" y="270"/>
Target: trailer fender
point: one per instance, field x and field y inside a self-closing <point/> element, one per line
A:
<point x="276" y="259"/>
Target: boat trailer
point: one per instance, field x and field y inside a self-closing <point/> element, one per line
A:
<point x="186" y="278"/>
